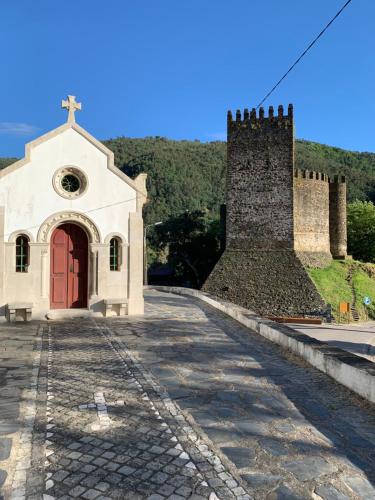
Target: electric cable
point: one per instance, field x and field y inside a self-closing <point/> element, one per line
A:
<point x="304" y="53"/>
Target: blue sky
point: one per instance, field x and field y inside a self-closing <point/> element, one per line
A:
<point x="173" y="68"/>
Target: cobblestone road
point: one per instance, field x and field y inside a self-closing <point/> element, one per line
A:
<point x="183" y="403"/>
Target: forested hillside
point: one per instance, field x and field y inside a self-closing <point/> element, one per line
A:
<point x="190" y="175"/>
<point x="4" y="162"/>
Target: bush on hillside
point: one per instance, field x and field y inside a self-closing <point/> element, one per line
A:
<point x="361" y="230"/>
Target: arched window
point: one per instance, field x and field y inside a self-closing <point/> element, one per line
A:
<point x="114" y="254"/>
<point x="22" y="254"/>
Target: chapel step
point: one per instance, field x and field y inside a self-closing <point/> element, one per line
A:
<point x="56" y="314"/>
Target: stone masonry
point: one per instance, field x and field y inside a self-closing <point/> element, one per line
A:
<point x="278" y="219"/>
<point x="183" y="403"/>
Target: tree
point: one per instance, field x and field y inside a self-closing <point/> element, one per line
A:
<point x="361" y="230"/>
<point x="193" y="243"/>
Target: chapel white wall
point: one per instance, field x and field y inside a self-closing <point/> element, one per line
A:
<point x="28" y="198"/>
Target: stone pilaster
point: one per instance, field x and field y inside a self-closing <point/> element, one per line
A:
<point x="2" y="253"/>
<point x="135" y="275"/>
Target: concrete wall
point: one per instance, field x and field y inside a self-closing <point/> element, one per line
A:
<point x="311" y="212"/>
<point x="260" y="180"/>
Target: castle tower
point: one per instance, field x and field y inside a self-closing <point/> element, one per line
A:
<point x="311" y="217"/>
<point x="260" y="180"/>
<point x="278" y="219"/>
<point x="337" y="217"/>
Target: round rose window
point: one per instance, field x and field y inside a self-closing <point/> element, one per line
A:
<point x="70" y="182"/>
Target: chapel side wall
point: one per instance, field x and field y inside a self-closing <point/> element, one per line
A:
<point x="337" y="217"/>
<point x="32" y="286"/>
<point x="113" y="284"/>
<point x="311" y="212"/>
<point x="260" y="180"/>
<point x="135" y="279"/>
<point x="2" y="258"/>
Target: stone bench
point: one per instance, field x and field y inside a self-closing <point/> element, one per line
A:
<point x="119" y="306"/>
<point x="19" y="311"/>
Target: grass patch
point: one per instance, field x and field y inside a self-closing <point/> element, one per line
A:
<point x="333" y="286"/>
<point x="364" y="287"/>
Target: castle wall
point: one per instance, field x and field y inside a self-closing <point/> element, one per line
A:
<point x="260" y="180"/>
<point x="311" y="212"/>
<point x="337" y="217"/>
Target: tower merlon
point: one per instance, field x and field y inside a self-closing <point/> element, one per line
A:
<point x="260" y="117"/>
<point x="310" y="175"/>
<point x="338" y="179"/>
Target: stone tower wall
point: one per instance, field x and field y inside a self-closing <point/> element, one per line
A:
<point x="260" y="180"/>
<point x="278" y="220"/>
<point x="311" y="212"/>
<point x="337" y="217"/>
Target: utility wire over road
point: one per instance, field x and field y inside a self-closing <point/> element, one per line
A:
<point x="304" y="53"/>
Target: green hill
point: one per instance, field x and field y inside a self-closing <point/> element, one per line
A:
<point x="4" y="162"/>
<point x="190" y="175"/>
<point x="335" y="286"/>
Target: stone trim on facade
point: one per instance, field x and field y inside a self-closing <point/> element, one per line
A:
<point x="47" y="227"/>
<point x="109" y="236"/>
<point x="12" y="237"/>
<point x="138" y="184"/>
<point x="77" y="172"/>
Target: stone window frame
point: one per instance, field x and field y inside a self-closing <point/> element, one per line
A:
<point x="115" y="254"/>
<point x="12" y="244"/>
<point x="122" y="250"/>
<point x="76" y="172"/>
<point x="23" y="267"/>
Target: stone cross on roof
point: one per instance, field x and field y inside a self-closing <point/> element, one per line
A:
<point x="72" y="106"/>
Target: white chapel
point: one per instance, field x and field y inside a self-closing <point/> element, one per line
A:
<point x="71" y="229"/>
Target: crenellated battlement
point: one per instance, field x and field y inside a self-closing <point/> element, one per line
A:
<point x="318" y="176"/>
<point x="260" y="120"/>
<point x="311" y="175"/>
<point x="338" y="179"/>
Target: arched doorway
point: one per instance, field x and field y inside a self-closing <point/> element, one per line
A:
<point x="69" y="267"/>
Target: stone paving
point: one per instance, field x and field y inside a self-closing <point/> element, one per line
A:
<point x="290" y="430"/>
<point x="181" y="403"/>
<point x="106" y="429"/>
<point x="18" y="372"/>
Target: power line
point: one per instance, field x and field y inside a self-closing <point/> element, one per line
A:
<point x="304" y="53"/>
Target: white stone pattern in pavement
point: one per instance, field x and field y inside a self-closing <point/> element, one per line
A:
<point x="289" y="429"/>
<point x="113" y="432"/>
<point x="50" y="425"/>
<point x="24" y="448"/>
<point x="101" y="407"/>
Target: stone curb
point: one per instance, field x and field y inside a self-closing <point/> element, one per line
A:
<point x="354" y="372"/>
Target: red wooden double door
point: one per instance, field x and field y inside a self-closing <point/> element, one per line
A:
<point x="69" y="269"/>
